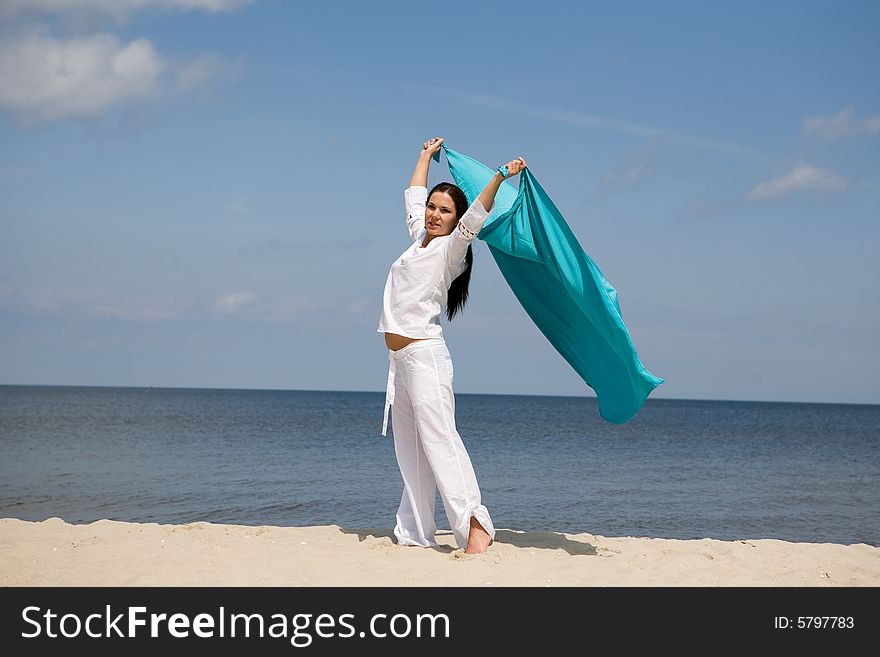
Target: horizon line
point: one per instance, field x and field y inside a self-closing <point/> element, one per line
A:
<point x="382" y="392"/>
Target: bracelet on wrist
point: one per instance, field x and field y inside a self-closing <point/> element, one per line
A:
<point x="503" y="171"/>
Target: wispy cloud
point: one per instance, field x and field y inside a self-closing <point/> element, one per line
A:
<point x="118" y="9"/>
<point x="232" y="303"/>
<point x="702" y="208"/>
<point x="359" y="305"/>
<point x="134" y="313"/>
<point x="843" y="124"/>
<point x="237" y="204"/>
<point x="634" y="169"/>
<point x="596" y="121"/>
<point x="201" y="71"/>
<point x="803" y="177"/>
<point x="289" y="309"/>
<point x="88" y="303"/>
<point x="280" y="247"/>
<point x="102" y="305"/>
<point x="40" y="302"/>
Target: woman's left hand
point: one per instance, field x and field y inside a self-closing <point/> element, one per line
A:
<point x="515" y="166"/>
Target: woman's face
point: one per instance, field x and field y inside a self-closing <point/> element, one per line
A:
<point x="440" y="216"/>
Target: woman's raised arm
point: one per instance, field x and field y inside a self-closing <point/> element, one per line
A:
<point x="487" y="196"/>
<point x="471" y="222"/>
<point x="429" y="149"/>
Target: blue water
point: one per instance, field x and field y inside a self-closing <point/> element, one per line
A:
<point x="679" y="469"/>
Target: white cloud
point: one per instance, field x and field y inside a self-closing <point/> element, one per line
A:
<point x="119" y="9"/>
<point x="234" y="302"/>
<point x="44" y="78"/>
<point x="50" y="79"/>
<point x="205" y="5"/>
<point x="842" y="124"/>
<point x="802" y="178"/>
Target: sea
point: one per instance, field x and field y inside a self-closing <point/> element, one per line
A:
<point x="681" y="468"/>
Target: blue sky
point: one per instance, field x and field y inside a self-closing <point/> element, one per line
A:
<point x="209" y="193"/>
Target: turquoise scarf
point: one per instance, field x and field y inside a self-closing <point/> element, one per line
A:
<point x="560" y="287"/>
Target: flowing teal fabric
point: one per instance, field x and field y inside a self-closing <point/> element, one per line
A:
<point x="560" y="287"/>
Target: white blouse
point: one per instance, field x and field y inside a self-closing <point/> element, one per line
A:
<point x="418" y="283"/>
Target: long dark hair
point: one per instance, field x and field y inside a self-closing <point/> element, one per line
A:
<point x="458" y="290"/>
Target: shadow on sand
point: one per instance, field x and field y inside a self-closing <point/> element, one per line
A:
<point x="535" y="540"/>
<point x="364" y="534"/>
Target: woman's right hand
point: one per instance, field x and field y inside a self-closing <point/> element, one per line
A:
<point x="431" y="146"/>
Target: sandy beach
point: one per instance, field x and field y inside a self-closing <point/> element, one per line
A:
<point x="110" y="553"/>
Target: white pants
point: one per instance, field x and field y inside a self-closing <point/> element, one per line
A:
<point x="429" y="450"/>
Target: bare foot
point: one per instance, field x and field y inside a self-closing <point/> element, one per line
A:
<point x="478" y="538"/>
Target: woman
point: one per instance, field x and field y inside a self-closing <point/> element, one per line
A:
<point x="432" y="273"/>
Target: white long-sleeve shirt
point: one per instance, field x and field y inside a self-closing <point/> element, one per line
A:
<point x="418" y="283"/>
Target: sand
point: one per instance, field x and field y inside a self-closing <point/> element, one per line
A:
<point x="110" y="553"/>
